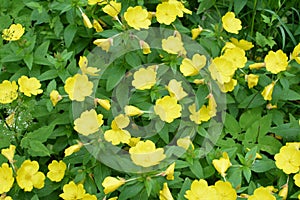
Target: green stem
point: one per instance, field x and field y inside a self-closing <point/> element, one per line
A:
<point x="253" y="18"/>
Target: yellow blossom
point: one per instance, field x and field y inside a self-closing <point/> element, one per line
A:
<point x="5" y="198"/>
<point x="29" y="86"/>
<point x="72" y="149"/>
<point x="204" y="113"/>
<point x="297" y="179"/>
<point x="88" y="122"/>
<point x="296" y="54"/>
<point x="166" y="13"/>
<point x="111" y="184"/>
<point x="175" y="89"/>
<point x="10" y="120"/>
<point x="56" y="170"/>
<point x="132" y="111"/>
<point x="276" y="61"/>
<point x="252" y="80"/>
<point x="196" y="32"/>
<point x="230" y="23"/>
<point x="268" y="91"/>
<point x="284" y="191"/>
<point x="97" y="26"/>
<point x="104" y="44"/>
<point x="261" y="193"/>
<point x="144" y="78"/>
<point x="104" y="103"/>
<point x="72" y="191"/>
<point x="6" y="178"/>
<point x="225" y="190"/>
<point x="113" y="198"/>
<point x="170" y="172"/>
<point x="28" y="176"/>
<point x="86" y="21"/>
<point x="167" y="108"/>
<point x="236" y="56"/>
<point x="222" y="164"/>
<point x="133" y="141"/>
<point x="120" y="121"/>
<point x="243" y="44"/>
<point x="201" y="191"/>
<point x="257" y="65"/>
<point x="93" y="2"/>
<point x="227" y="87"/>
<point x="8" y="92"/>
<point x="137" y="17"/>
<point x="173" y="45"/>
<point x="221" y="69"/>
<point x="192" y="67"/>
<point x="83" y="64"/>
<point x="180" y="8"/>
<point x="78" y="87"/>
<point x="288" y="159"/>
<point x="165" y="193"/>
<point x="116" y="136"/>
<point x="55" y="97"/>
<point x="185" y="143"/>
<point x="145" y="154"/>
<point x="112" y="8"/>
<point x="145" y="47"/>
<point x="13" y="33"/>
<point x="9" y="153"/>
<point x="199" y="81"/>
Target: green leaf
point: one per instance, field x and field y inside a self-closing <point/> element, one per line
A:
<point x="262" y="41"/>
<point x="69" y="34"/>
<point x="118" y="73"/>
<point x="247" y="173"/>
<point x="205" y="5"/>
<point x="133" y="59"/>
<point x="269" y="144"/>
<point x="239" y="5"/>
<point x="48" y="75"/>
<point x="252" y="101"/>
<point x="185" y="186"/>
<point x="232" y="126"/>
<point x="130" y="191"/>
<point x="249" y="117"/>
<point x="40" y="134"/>
<point x="36" y="148"/>
<point x="42" y="50"/>
<point x="263" y="165"/>
<point x="197" y="169"/>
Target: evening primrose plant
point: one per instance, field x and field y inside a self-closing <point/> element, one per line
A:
<point x="110" y="99"/>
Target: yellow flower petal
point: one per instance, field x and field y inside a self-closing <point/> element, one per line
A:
<point x="230" y="23"/>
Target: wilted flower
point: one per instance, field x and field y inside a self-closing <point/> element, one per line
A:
<point x="145" y="47"/>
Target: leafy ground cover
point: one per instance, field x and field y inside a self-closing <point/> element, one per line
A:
<point x="149" y="99"/>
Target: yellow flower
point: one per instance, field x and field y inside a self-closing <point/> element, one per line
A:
<point x="236" y="56"/>
<point x="221" y="69"/>
<point x="227" y="87"/>
<point x="111" y="184"/>
<point x="133" y="141"/>
<point x="120" y="121"/>
<point x="132" y="111"/>
<point x="72" y="149"/>
<point x="269" y="106"/>
<point x="165" y="193"/>
<point x="175" y="89"/>
<point x="55" y="97"/>
<point x="13" y="33"/>
<point x="5" y="198"/>
<point x="116" y="136"/>
<point x="288" y="159"/>
<point x="137" y="17"/>
<point x="104" y="44"/>
<point x="230" y="23"/>
<point x="145" y="47"/>
<point x="173" y="45"/>
<point x="199" y="81"/>
<point x="284" y="191"/>
<point x="8" y="92"/>
<point x="201" y="191"/>
<point x="222" y="164"/>
<point x="243" y="44"/>
<point x="72" y="191"/>
<point x="144" y="78"/>
<point x="88" y="122"/>
<point x="97" y="26"/>
<point x="6" y="178"/>
<point x="257" y="65"/>
<point x="167" y="108"/>
<point x="28" y="176"/>
<point x="276" y="61"/>
<point x="29" y="86"/>
<point x="185" y="142"/>
<point x="225" y="190"/>
<point x="205" y="112"/>
<point x="113" y="198"/>
<point x="112" y="8"/>
<point x="196" y="32"/>
<point x="145" y="154"/>
<point x="83" y="64"/>
<point x="296" y="54"/>
<point x="93" y="2"/>
<point x="166" y="13"/>
<point x="261" y="193"/>
<point x="192" y="67"/>
<point x="86" y="21"/>
<point x="170" y="172"/>
<point x="104" y="103"/>
<point x="78" y="87"/>
<point x="9" y="153"/>
<point x="297" y="179"/>
<point x="10" y="120"/>
<point x="252" y="80"/>
<point x="56" y="170"/>
<point x="268" y="91"/>
<point x="180" y="8"/>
